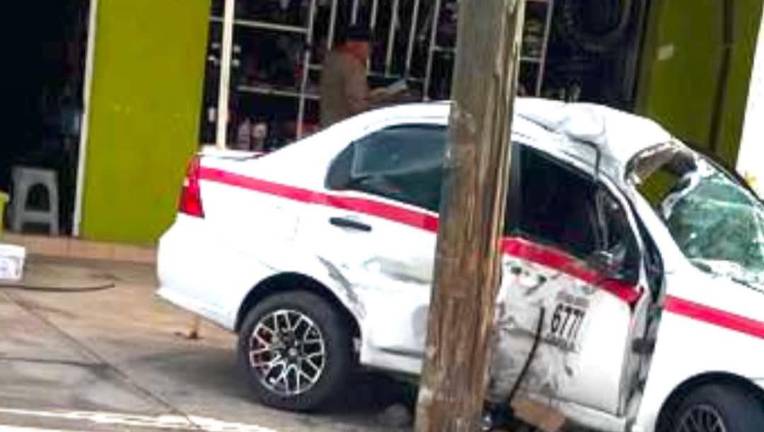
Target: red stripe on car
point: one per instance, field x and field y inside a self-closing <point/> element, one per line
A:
<point x="717" y="317"/>
<point x="552" y="258"/>
<point x="413" y="218"/>
<point x="514" y="246"/>
<point x="251" y="183"/>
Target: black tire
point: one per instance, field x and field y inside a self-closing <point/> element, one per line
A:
<point x="737" y="410"/>
<point x="338" y="343"/>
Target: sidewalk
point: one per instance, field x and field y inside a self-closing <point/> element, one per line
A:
<point x="122" y="351"/>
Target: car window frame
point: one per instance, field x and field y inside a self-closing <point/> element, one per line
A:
<point x="602" y="183"/>
<point x="344" y="156"/>
<point x="512" y="226"/>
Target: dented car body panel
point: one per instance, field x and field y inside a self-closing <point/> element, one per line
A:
<point x="372" y="246"/>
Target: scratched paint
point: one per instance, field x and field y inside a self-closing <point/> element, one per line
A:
<point x="527" y="288"/>
<point x="347" y="287"/>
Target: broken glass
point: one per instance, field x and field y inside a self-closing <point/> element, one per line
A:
<point x="716" y="222"/>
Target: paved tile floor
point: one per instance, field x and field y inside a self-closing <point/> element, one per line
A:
<point x="117" y="360"/>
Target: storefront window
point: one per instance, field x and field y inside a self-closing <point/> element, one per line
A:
<point x="278" y="47"/>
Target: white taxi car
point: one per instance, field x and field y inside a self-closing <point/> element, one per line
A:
<point x="633" y="270"/>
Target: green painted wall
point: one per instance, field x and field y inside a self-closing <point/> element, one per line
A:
<point x="146" y="99"/>
<point x="747" y="21"/>
<point x="680" y="68"/>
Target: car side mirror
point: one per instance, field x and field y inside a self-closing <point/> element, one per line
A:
<point x="608" y="264"/>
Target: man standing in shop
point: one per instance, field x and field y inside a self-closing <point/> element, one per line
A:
<point x="344" y="88"/>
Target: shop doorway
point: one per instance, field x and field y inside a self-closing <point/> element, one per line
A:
<point x="45" y="94"/>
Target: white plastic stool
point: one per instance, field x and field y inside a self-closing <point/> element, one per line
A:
<point x="24" y="179"/>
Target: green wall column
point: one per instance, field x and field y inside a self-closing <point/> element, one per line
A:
<point x="681" y="61"/>
<point x="144" y="115"/>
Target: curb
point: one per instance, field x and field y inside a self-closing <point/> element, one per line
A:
<point x="65" y="247"/>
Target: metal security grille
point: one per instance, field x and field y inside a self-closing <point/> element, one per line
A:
<point x="412" y="40"/>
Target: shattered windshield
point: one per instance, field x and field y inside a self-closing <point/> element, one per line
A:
<point x="717" y="223"/>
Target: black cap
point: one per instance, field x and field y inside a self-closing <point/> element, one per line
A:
<point x="358" y="33"/>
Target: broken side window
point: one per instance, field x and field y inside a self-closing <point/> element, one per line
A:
<point x="555" y="204"/>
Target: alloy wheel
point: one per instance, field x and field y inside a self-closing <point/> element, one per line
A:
<point x="287" y="352"/>
<point x="701" y="418"/>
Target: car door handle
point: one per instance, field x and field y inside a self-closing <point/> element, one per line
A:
<point x="349" y="223"/>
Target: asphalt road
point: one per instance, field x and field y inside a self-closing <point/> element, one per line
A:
<point x="118" y="360"/>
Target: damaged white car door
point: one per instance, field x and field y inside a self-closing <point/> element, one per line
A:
<point x="377" y="242"/>
<point x="571" y="300"/>
<point x="377" y="238"/>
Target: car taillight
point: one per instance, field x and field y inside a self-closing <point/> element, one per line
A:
<point x="191" y="193"/>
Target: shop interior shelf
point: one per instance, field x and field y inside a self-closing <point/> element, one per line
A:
<point x="374" y="74"/>
<point x="274" y="91"/>
<point x="263" y="25"/>
<point x="438" y="48"/>
<point x="528" y="59"/>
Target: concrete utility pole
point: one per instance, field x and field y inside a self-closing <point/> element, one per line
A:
<point x="467" y="265"/>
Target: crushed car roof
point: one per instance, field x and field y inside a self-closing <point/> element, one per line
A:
<point x="619" y="135"/>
